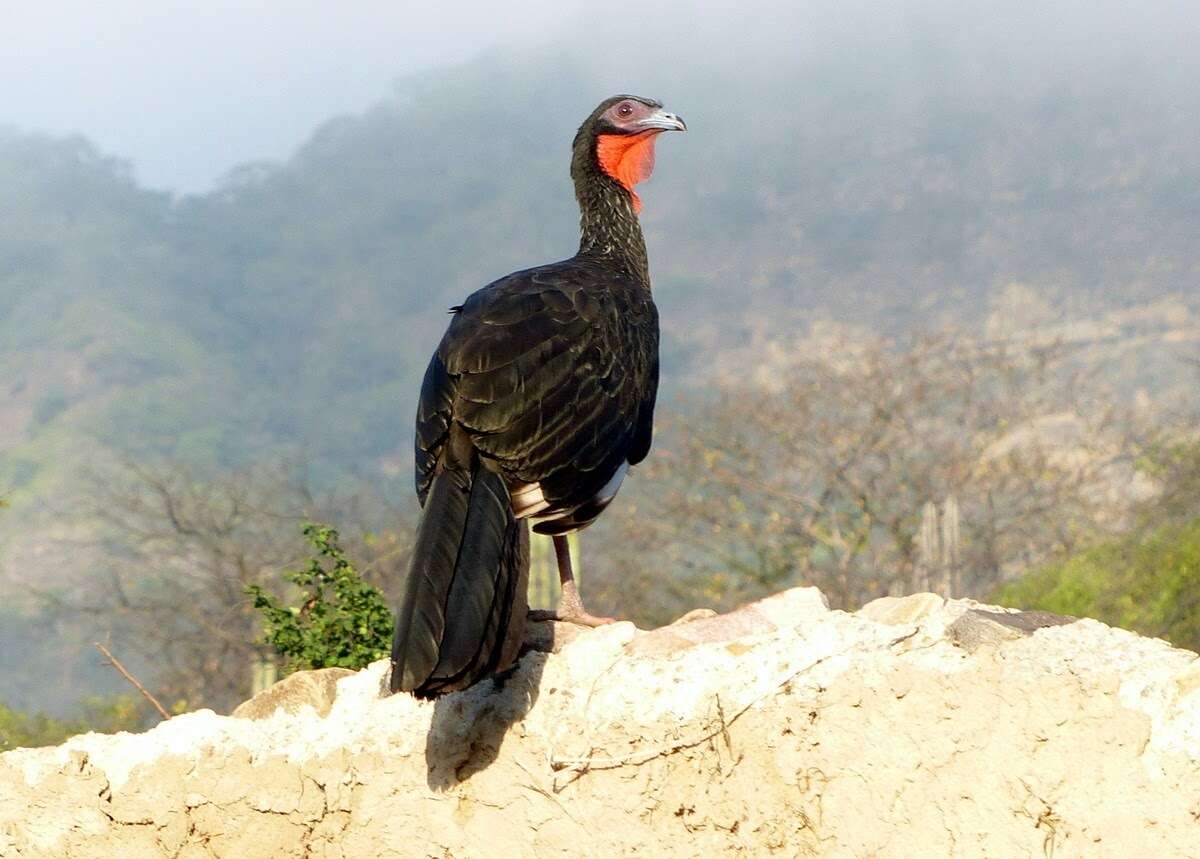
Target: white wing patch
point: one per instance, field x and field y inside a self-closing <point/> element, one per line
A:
<point x="528" y="500"/>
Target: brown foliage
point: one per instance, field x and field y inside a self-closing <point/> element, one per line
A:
<point x="816" y="472"/>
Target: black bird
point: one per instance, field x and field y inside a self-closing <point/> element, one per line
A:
<point x="538" y="399"/>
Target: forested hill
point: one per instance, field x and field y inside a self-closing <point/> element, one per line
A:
<point x="291" y="310"/>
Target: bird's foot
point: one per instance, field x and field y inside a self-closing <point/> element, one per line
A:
<point x="570" y="610"/>
<point x="579" y="618"/>
<point x="583" y="618"/>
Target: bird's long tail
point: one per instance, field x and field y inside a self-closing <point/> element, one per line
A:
<point x="461" y="614"/>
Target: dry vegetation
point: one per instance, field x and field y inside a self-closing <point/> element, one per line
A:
<point x="175" y="556"/>
<point x="827" y="472"/>
<point x="878" y="469"/>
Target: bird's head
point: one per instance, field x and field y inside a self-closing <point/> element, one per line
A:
<point x="617" y="141"/>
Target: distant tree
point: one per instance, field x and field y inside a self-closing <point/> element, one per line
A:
<point x="176" y="557"/>
<point x="817" y="472"/>
<point x="1175" y="464"/>
<point x="1148" y="579"/>
<point x="106" y="715"/>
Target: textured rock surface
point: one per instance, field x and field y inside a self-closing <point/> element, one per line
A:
<point x="914" y="727"/>
<point x="316" y="689"/>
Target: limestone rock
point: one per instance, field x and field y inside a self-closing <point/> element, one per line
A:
<point x="900" y="610"/>
<point x="977" y="627"/>
<point x="315" y="689"/>
<point x="915" y="727"/>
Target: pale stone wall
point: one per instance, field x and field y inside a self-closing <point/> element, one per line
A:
<point x="912" y="728"/>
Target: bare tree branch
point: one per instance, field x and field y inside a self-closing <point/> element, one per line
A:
<point x="115" y="663"/>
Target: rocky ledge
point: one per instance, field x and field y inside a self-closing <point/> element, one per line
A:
<point x="913" y="727"/>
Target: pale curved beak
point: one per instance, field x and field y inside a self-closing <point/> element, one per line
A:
<point x="660" y="120"/>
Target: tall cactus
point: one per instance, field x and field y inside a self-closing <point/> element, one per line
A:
<point x="543" y="577"/>
<point x="938" y="549"/>
<point x="951" y="552"/>
<point x="263" y="672"/>
<point x="927" y="549"/>
<point x="544" y="588"/>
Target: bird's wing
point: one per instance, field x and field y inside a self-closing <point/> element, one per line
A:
<point x="549" y="371"/>
<point x="645" y="418"/>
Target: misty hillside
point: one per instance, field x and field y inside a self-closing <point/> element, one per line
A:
<point x="291" y="311"/>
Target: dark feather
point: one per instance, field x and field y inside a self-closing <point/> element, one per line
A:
<point x="474" y="592"/>
<point x="457" y="605"/>
<point x="421" y="614"/>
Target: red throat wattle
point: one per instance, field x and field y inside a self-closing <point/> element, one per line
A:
<point x="628" y="158"/>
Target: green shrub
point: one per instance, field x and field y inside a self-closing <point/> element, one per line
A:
<point x="107" y="715"/>
<point x="1148" y="581"/>
<point x="339" y="621"/>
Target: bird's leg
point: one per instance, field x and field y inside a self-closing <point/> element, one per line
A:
<point x="570" y="604"/>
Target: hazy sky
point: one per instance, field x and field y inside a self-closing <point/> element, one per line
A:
<point x="186" y="90"/>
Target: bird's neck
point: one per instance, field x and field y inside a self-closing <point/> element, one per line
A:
<point x="608" y="225"/>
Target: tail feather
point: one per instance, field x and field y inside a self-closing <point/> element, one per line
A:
<point x="421" y="614"/>
<point x="505" y="632"/>
<point x="463" y="602"/>
<point x="474" y="594"/>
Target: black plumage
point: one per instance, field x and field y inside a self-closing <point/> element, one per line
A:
<point x="538" y="399"/>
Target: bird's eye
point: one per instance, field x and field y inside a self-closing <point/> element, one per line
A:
<point x="625" y="110"/>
